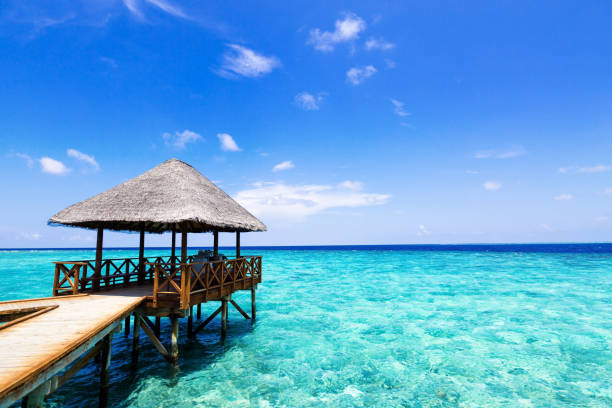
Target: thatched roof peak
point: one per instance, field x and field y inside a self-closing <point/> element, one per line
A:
<point x="171" y="195"/>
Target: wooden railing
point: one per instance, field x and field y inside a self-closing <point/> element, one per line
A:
<point x="80" y="276"/>
<point x="171" y="279"/>
<point x="210" y="279"/>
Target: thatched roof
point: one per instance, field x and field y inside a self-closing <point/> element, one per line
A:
<point x="171" y="195"/>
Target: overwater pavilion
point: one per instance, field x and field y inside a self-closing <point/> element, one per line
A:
<point x="170" y="197"/>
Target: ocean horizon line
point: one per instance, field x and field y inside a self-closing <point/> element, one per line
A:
<point x="598" y="247"/>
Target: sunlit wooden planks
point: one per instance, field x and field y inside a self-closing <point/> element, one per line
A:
<point x="33" y="346"/>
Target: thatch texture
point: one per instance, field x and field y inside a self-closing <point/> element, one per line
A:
<point x="171" y="195"/>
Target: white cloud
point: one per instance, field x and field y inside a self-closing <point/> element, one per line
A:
<point x="378" y="44"/>
<point x="28" y="160"/>
<point x="500" y="154"/>
<point x="399" y="108"/>
<point x="227" y="143"/>
<point x="111" y="62"/>
<point x="602" y="219"/>
<point x="600" y="168"/>
<point x="352" y="185"/>
<point x="492" y="185"/>
<point x="52" y="166"/>
<point x="357" y="75"/>
<point x="83" y="157"/>
<point x="346" y="29"/>
<point x="179" y="139"/>
<point x="134" y="6"/>
<point x="35" y="236"/>
<point x="472" y="172"/>
<point x="608" y="190"/>
<point x="241" y="61"/>
<point x="308" y="101"/>
<point x="564" y="197"/>
<point x="423" y="231"/>
<point x="297" y="201"/>
<point x="390" y="63"/>
<point x="546" y="227"/>
<point x="286" y="165"/>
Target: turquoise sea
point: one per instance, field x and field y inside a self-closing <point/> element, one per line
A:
<point x="467" y="326"/>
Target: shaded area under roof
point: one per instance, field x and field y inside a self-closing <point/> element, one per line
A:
<point x="172" y="195"/>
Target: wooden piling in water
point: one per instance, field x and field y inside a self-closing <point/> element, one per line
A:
<point x="135" y="339"/>
<point x="104" y="366"/>
<point x="174" y="340"/>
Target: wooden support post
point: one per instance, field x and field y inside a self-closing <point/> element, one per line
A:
<point x="253" y="309"/>
<point x="208" y="320"/>
<point x="216" y="244"/>
<point x="135" y="338"/>
<point x="141" y="265"/>
<point x="126" y="325"/>
<point x="238" y="308"/>
<point x="174" y="340"/>
<point x="35" y="398"/>
<point x="237" y="244"/>
<point x="104" y="366"/>
<point x="223" y="317"/>
<point x="158" y="345"/>
<point x="157" y="326"/>
<point x="173" y="253"/>
<point x="183" y="247"/>
<point x="98" y="272"/>
<point x="190" y="322"/>
<point x="199" y="311"/>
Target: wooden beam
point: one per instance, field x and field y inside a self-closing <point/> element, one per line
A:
<point x="158" y="345"/>
<point x="135" y="339"/>
<point x="104" y="366"/>
<point x="253" y="308"/>
<point x="237" y="244"/>
<point x="238" y="308"/>
<point x="216" y="244"/>
<point x="190" y="322"/>
<point x="183" y="247"/>
<point x="208" y="320"/>
<point x="141" y="265"/>
<point x="98" y="272"/>
<point x="199" y="311"/>
<point x="223" y="317"/>
<point x="174" y="339"/>
<point x="35" y="398"/>
<point x="126" y="329"/>
<point x="173" y="253"/>
<point x="157" y="325"/>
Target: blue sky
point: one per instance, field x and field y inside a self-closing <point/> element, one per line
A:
<point x="334" y="122"/>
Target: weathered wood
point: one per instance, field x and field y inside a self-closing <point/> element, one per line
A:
<point x="157" y="325"/>
<point x="27" y="316"/>
<point x="183" y="247"/>
<point x="158" y="345"/>
<point x="190" y="322"/>
<point x="253" y="308"/>
<point x="174" y="340"/>
<point x="208" y="320"/>
<point x="141" y="265"/>
<point x="223" y="317"/>
<point x="237" y="244"/>
<point x="76" y="367"/>
<point x="216" y="244"/>
<point x="35" y="398"/>
<point x="104" y="366"/>
<point x="199" y="311"/>
<point x="238" y="308"/>
<point x="126" y="325"/>
<point x="98" y="271"/>
<point x="135" y="339"/>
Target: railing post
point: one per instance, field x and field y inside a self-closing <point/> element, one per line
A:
<point x="56" y="279"/>
<point x="155" y="285"/>
<point x="75" y="287"/>
<point x="84" y="279"/>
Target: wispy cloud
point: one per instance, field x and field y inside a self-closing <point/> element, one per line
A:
<point x="608" y="190"/>
<point x="352" y="185"/>
<point x="52" y="166"/>
<point x="83" y="157"/>
<point x="286" y="165"/>
<point x="28" y="160"/>
<point x="602" y="219"/>
<point x="501" y="154"/>
<point x="110" y="62"/>
<point x="492" y="185"/>
<point x="308" y="101"/>
<point x="135" y="8"/>
<point x="399" y="108"/>
<point x="239" y="61"/>
<point x="180" y="139"/>
<point x="423" y="231"/>
<point x="34" y="236"/>
<point x="346" y="29"/>
<point x="357" y="75"/>
<point x="228" y="144"/>
<point x="297" y="201"/>
<point x="378" y="44"/>
<point x="564" y="197"/>
<point x="600" y="168"/>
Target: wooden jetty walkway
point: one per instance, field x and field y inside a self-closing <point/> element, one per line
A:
<point x="43" y="342"/>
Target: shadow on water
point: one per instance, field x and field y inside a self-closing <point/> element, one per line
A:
<point x="126" y="379"/>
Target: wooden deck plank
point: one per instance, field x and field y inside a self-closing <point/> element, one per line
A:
<point x="30" y="347"/>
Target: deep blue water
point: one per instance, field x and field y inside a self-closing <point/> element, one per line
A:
<point x="415" y="326"/>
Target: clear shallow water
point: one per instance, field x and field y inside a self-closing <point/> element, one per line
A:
<point x="394" y="327"/>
